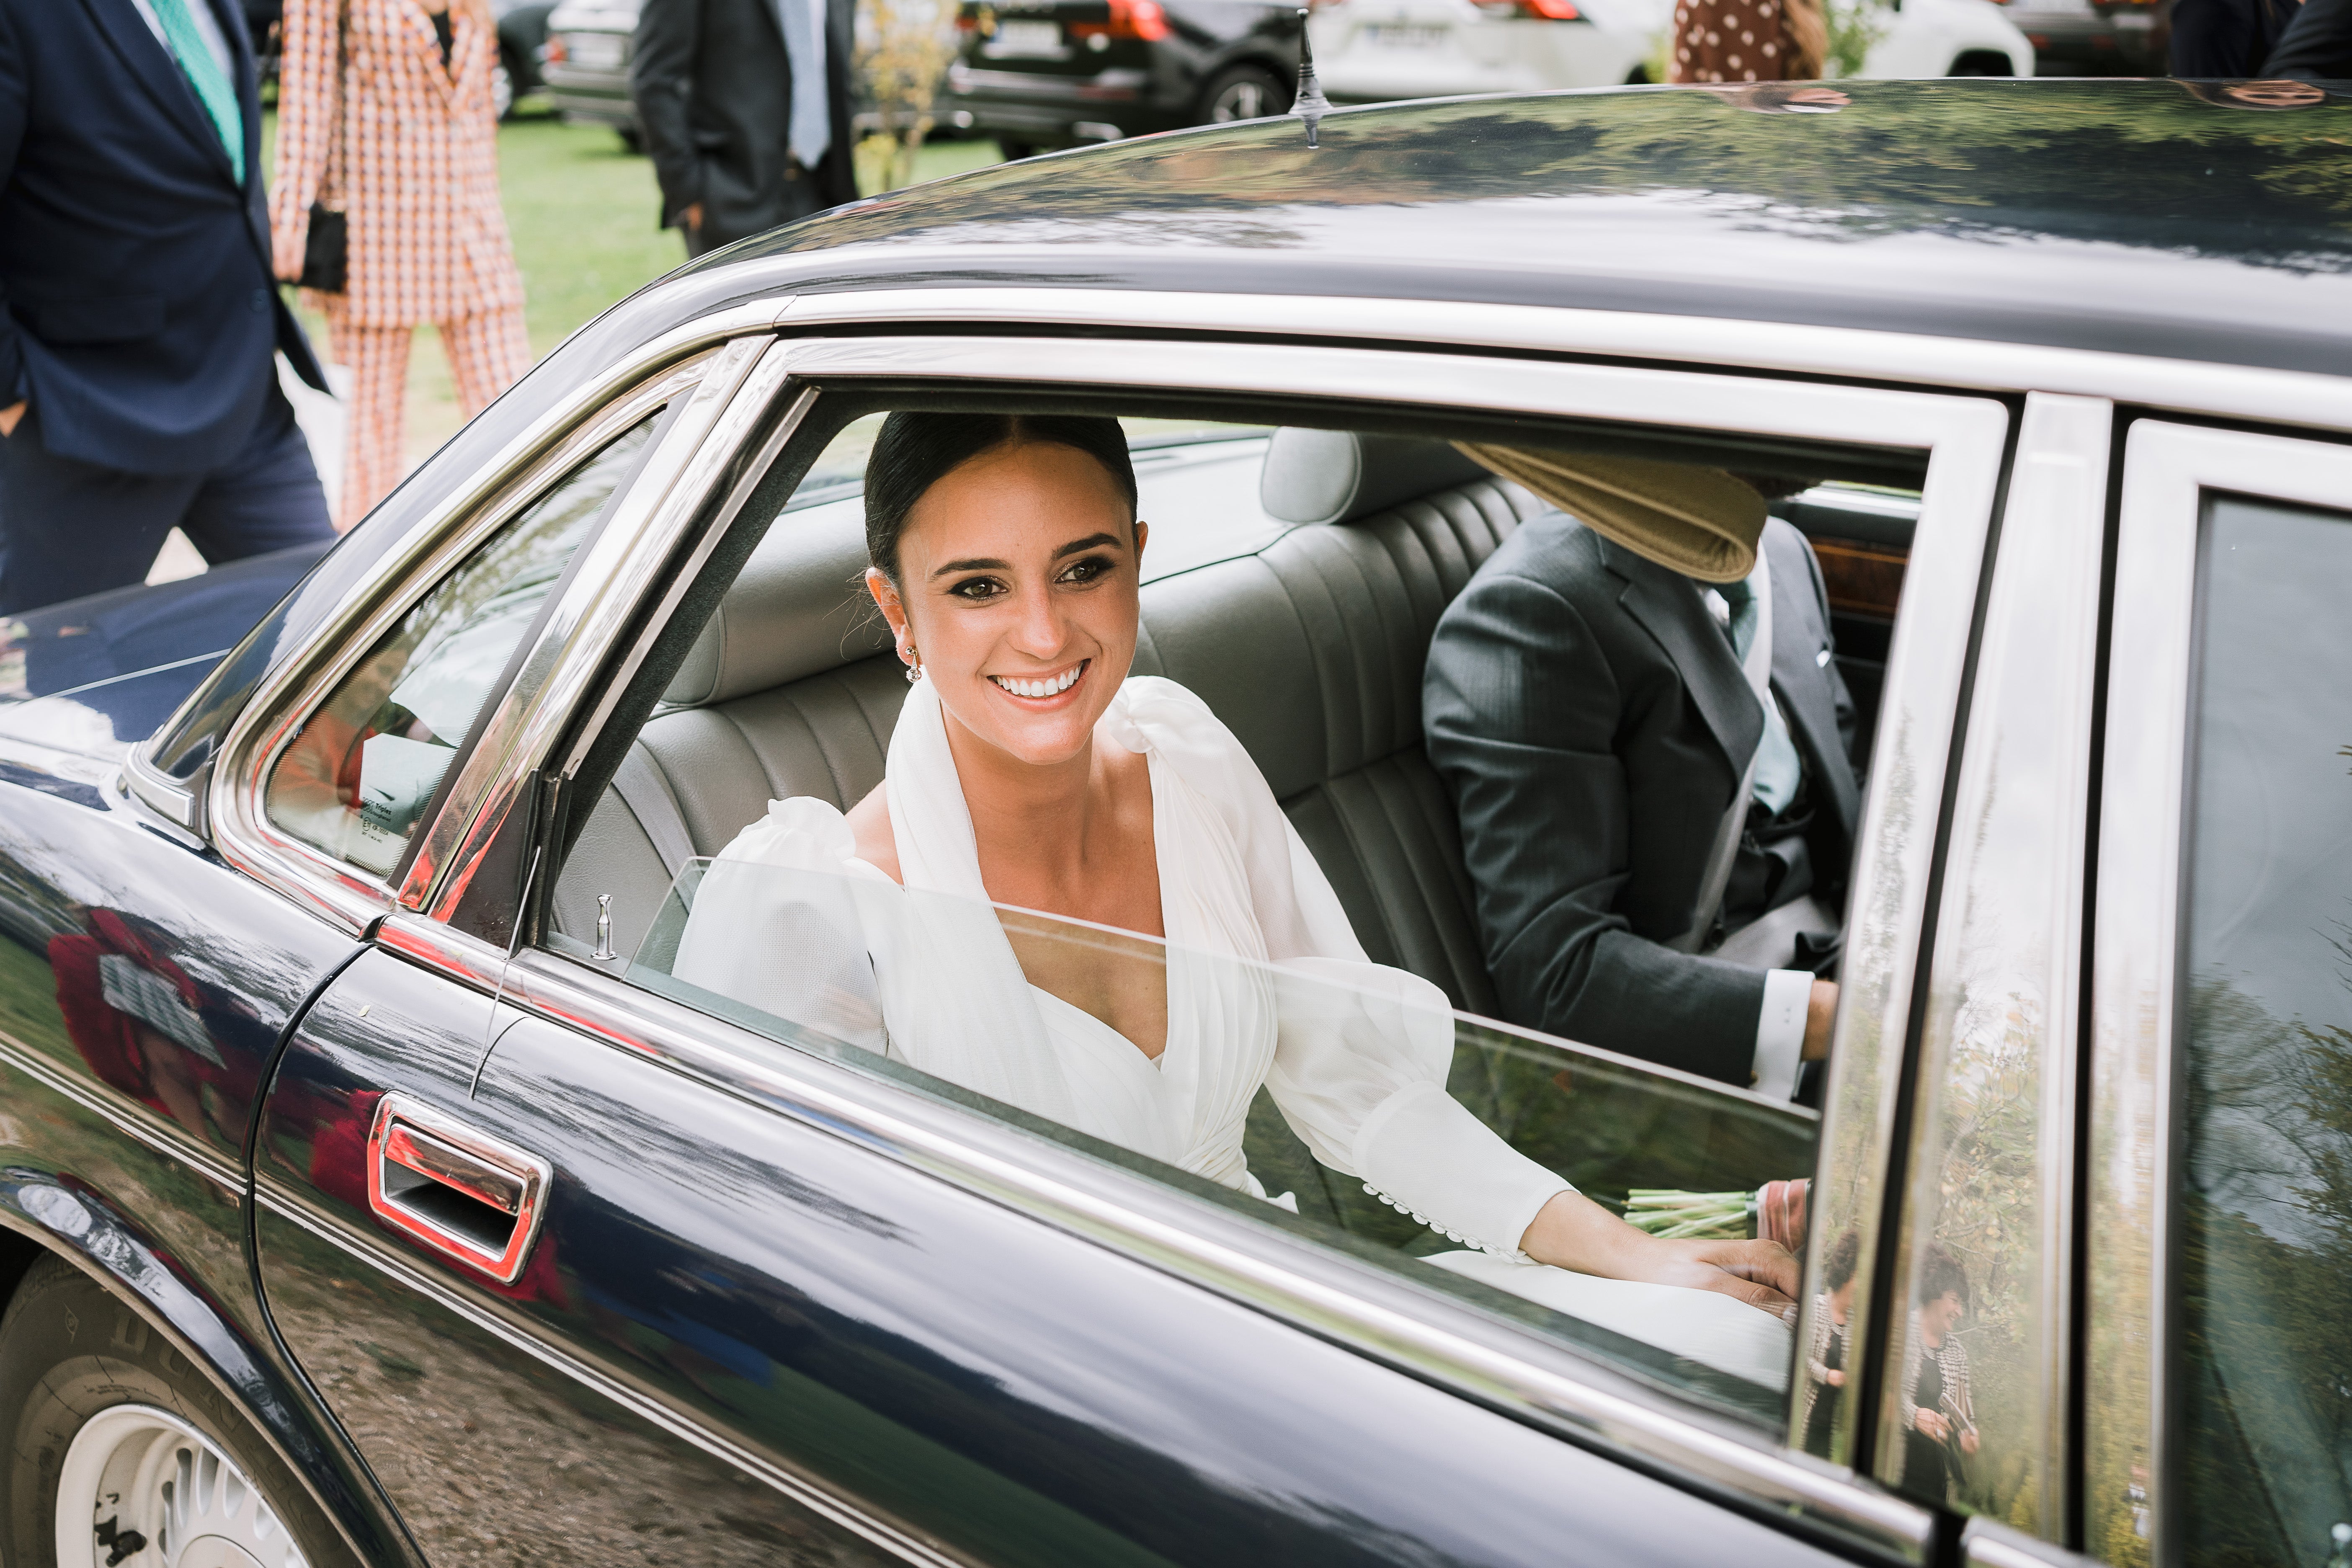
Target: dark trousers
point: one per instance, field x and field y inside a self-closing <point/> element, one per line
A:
<point x="70" y="528"/>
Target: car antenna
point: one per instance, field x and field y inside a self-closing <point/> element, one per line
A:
<point x="1310" y="105"/>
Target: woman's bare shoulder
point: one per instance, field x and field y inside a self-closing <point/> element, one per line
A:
<point x="869" y="820"/>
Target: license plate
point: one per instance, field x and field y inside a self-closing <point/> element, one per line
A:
<point x="1404" y="36"/>
<point x="597" y="51"/>
<point x="1038" y="40"/>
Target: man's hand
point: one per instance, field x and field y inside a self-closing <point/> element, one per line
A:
<point x="690" y="219"/>
<point x="9" y="415"/>
<point x="1821" y="1012"/>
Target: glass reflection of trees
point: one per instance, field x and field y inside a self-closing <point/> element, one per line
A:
<point x="364" y="767"/>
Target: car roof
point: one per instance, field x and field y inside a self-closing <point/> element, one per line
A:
<point x="2159" y="217"/>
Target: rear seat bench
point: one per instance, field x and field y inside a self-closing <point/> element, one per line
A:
<point x="1311" y="650"/>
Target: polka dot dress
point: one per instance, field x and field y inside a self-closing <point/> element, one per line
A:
<point x="1731" y="41"/>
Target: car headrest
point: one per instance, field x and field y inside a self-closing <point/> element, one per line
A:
<point x="1338" y="476"/>
<point x="798" y="608"/>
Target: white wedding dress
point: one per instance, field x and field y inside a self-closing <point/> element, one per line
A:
<point x="1266" y="984"/>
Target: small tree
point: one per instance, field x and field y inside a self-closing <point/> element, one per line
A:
<point x="904" y="49"/>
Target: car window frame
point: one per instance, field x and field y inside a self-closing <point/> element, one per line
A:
<point x="2137" y="947"/>
<point x="236" y="816"/>
<point x="1966" y="435"/>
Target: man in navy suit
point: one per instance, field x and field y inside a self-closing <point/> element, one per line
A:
<point x="138" y="313"/>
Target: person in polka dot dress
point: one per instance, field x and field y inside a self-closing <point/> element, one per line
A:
<point x="1725" y="42"/>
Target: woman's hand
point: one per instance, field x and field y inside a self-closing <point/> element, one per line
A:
<point x="1836" y="1379"/>
<point x="1968" y="1442"/>
<point x="1573" y="1232"/>
<point x="1931" y="1424"/>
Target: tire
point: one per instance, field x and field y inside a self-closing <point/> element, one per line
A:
<point x="632" y="137"/>
<point x="1981" y="62"/>
<point x="118" y="1450"/>
<point x="1243" y="92"/>
<point x="1015" y="150"/>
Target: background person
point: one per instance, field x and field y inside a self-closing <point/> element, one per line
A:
<point x="384" y="115"/>
<point x="1825" y="1361"/>
<point x="1725" y="41"/>
<point x="2317" y="45"/>
<point x="137" y="325"/>
<point x="745" y="105"/>
<point x="2227" y="39"/>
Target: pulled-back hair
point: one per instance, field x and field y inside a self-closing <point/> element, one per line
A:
<point x="916" y="451"/>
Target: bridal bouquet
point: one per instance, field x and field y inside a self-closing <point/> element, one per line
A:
<point x="1773" y="1212"/>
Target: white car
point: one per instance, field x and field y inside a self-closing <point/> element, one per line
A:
<point x="1373" y="51"/>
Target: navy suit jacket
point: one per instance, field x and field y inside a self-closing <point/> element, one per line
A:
<point x="137" y="307"/>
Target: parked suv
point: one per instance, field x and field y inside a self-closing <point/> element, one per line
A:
<point x="1062" y="73"/>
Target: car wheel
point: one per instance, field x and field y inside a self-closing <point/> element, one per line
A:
<point x="1243" y="92"/>
<point x="502" y="91"/>
<point x="1981" y="62"/>
<point x="631" y="137"/>
<point x="120" y="1446"/>
<point x="1015" y="150"/>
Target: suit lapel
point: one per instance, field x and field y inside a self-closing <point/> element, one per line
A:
<point x="146" y="59"/>
<point x="1669" y="609"/>
<point x="1797" y="645"/>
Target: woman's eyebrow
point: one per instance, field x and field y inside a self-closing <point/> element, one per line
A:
<point x="1088" y="542"/>
<point x="974" y="563"/>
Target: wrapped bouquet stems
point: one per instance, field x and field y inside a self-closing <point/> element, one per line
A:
<point x="1773" y="1212"/>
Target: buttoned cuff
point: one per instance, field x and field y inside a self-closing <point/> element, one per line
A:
<point x="1781" y="1031"/>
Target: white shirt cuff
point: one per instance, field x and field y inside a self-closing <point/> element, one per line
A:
<point x="1781" y="1031"/>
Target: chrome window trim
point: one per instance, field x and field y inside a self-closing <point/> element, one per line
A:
<point x="1354" y="1304"/>
<point x="580" y="625"/>
<point x="234" y="809"/>
<point x="1968" y="364"/>
<point x="2135" y="951"/>
<point x="514" y="1331"/>
<point x="2040" y="628"/>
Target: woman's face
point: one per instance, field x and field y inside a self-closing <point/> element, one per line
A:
<point x="1940" y="1316"/>
<point x="1018" y="573"/>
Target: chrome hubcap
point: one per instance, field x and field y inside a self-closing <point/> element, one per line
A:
<point x="143" y="1488"/>
<point x="1242" y="101"/>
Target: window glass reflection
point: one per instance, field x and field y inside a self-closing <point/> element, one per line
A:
<point x="2265" y="1202"/>
<point x="358" y="777"/>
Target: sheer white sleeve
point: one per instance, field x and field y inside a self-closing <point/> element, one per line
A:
<point x="1363" y="1049"/>
<point x="775" y="925"/>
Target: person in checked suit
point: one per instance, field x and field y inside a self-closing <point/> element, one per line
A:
<point x="1638" y="711"/>
<point x="138" y="327"/>
<point x="384" y="115"/>
<point x="745" y="105"/>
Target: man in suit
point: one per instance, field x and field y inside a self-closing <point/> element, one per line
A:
<point x="745" y="105"/>
<point x="1595" y="715"/>
<point x="138" y="317"/>
<point x="2317" y="45"/>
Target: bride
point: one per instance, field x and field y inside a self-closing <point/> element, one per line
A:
<point x="1028" y="769"/>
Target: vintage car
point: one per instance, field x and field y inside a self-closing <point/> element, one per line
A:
<point x="378" y="1185"/>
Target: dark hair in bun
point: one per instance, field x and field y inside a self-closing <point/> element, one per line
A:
<point x="916" y="451"/>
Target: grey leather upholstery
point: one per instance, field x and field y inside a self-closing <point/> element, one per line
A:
<point x="1311" y="650"/>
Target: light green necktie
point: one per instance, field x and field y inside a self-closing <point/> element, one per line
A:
<point x="204" y="73"/>
<point x="1778" y="770"/>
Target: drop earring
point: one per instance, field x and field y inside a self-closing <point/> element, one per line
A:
<point x="914" y="664"/>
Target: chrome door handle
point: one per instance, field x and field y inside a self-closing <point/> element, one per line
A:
<point x="461" y="1192"/>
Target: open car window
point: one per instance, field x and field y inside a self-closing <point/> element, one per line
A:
<point x="1292" y="581"/>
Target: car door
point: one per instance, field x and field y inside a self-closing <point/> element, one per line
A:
<point x="584" y="1267"/>
<point x="2214" y="1414"/>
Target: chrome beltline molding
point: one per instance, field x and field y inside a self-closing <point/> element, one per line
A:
<point x="290" y="1205"/>
<point x="117" y="1112"/>
<point x="2289" y="398"/>
<point x="1355" y="1305"/>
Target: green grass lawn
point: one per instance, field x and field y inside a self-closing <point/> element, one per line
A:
<point x="581" y="210"/>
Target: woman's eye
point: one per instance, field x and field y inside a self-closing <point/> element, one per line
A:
<point x="977" y="588"/>
<point x="1087" y="570"/>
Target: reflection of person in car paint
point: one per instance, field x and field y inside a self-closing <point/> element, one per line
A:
<point x="133" y="1014"/>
